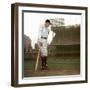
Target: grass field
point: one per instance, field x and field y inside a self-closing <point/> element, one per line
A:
<point x="64" y="54"/>
<point x="58" y="65"/>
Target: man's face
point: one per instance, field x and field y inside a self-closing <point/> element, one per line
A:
<point x="47" y="24"/>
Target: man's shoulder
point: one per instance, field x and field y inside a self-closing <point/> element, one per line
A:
<point x="41" y="26"/>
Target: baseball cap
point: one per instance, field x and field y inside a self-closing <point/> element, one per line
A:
<point x="48" y="21"/>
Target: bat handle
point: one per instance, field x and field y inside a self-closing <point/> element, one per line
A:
<point x="37" y="60"/>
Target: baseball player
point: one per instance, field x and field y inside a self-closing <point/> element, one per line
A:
<point x="43" y="44"/>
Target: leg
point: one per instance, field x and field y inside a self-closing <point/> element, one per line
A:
<point x="45" y="61"/>
<point x="44" y="55"/>
<point x="42" y="63"/>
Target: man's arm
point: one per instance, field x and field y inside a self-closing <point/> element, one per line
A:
<point x="51" y="36"/>
<point x="39" y="36"/>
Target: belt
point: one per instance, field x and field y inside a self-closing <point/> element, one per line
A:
<point x="44" y="37"/>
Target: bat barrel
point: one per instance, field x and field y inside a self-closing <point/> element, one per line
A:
<point x="37" y="61"/>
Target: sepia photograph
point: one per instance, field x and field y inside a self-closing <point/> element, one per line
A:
<point x="49" y="44"/>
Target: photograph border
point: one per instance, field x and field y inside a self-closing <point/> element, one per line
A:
<point x="14" y="43"/>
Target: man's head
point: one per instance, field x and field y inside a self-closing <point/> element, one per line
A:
<point x="47" y="23"/>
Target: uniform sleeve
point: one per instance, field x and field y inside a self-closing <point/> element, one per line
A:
<point x="51" y="36"/>
<point x="40" y="34"/>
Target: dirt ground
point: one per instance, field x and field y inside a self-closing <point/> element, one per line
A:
<point x="51" y="72"/>
<point x="69" y="65"/>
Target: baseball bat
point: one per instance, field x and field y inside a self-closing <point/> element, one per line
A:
<point x="37" y="61"/>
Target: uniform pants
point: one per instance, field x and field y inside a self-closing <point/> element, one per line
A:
<point x="44" y="53"/>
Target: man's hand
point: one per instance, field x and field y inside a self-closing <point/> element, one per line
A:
<point x="41" y="44"/>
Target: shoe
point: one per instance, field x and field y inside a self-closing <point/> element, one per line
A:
<point x="42" y="68"/>
<point x="46" y="67"/>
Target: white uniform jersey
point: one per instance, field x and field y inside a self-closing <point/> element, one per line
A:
<point x="43" y="38"/>
<point x="43" y="32"/>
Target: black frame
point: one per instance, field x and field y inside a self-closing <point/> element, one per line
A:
<point x="14" y="43"/>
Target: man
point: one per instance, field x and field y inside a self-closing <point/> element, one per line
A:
<point x="43" y="44"/>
